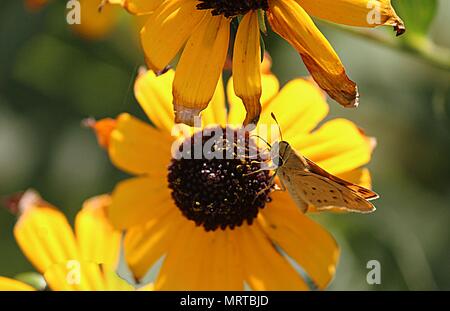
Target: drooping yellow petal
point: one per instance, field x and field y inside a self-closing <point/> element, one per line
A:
<point x="200" y="67"/>
<point x="236" y="114"/>
<point x="45" y="236"/>
<point x="97" y="240"/>
<point x="264" y="267"/>
<point x="167" y="30"/>
<point x="338" y="146"/>
<point x="138" y="148"/>
<point x="291" y="22"/>
<point x="311" y="246"/>
<point x="95" y="23"/>
<point x="362" y="13"/>
<point x="246" y="66"/>
<point x="154" y="94"/>
<point x="139" y="7"/>
<point x="7" y="284"/>
<point x="136" y="200"/>
<point x="298" y="107"/>
<point x="145" y="244"/>
<point x="216" y="112"/>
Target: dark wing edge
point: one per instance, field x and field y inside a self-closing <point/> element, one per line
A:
<point x="365" y="193"/>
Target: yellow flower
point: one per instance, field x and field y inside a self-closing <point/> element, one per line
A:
<point x="202" y="27"/>
<point x="206" y="218"/>
<point x="94" y="23"/>
<point x="7" y="284"/>
<point x="82" y="260"/>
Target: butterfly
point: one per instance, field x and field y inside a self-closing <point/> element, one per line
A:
<point x="309" y="184"/>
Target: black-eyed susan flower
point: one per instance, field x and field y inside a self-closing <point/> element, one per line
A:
<point x="214" y="222"/>
<point x="82" y="260"/>
<point x="202" y="27"/>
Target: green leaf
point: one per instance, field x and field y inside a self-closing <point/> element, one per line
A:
<point x="417" y="14"/>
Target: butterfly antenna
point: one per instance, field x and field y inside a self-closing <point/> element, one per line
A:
<point x="267" y="143"/>
<point x="278" y="124"/>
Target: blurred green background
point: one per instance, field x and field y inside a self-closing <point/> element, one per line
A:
<point x="51" y="78"/>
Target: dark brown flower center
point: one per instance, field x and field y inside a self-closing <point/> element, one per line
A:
<point x="231" y="8"/>
<point x="219" y="191"/>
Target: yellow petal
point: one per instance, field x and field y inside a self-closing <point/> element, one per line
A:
<point x="236" y="115"/>
<point x="311" y="246"/>
<point x="264" y="267"/>
<point x="222" y="268"/>
<point x="45" y="236"/>
<point x="216" y="112"/>
<point x="182" y="266"/>
<point x="246" y="66"/>
<point x="200" y="67"/>
<point x="83" y="276"/>
<point x="266" y="65"/>
<point x="338" y="146"/>
<point x="95" y="23"/>
<point x="144" y="245"/>
<point x="362" y="13"/>
<point x="298" y="107"/>
<point x="114" y="282"/>
<point x="7" y="284"/>
<point x="138" y="148"/>
<point x="147" y="287"/>
<point x="103" y="129"/>
<point x="74" y="275"/>
<point x="139" y="7"/>
<point x="359" y="176"/>
<point x="291" y="22"/>
<point x="97" y="240"/>
<point x="136" y="200"/>
<point x="154" y="94"/>
<point x="167" y="30"/>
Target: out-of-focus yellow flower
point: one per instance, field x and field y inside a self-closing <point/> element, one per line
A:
<point x="96" y="20"/>
<point x="214" y="221"/>
<point x="82" y="260"/>
<point x="202" y="27"/>
<point x="7" y="284"/>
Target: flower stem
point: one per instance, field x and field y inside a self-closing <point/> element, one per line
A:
<point x="419" y="46"/>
